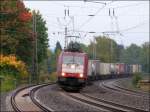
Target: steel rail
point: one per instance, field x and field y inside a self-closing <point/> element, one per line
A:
<point x="14" y="94"/>
<point x="32" y="94"/>
<point x="124" y="90"/>
<point x="115" y="104"/>
<point x="99" y="104"/>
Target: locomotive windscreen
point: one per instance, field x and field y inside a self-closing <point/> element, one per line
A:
<point x="73" y="64"/>
<point x="73" y="60"/>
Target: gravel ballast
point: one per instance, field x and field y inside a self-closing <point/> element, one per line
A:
<point x="97" y="91"/>
<point x="51" y="96"/>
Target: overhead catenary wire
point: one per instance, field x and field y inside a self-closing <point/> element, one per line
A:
<point x="133" y="27"/>
<point x="126" y="6"/>
<point x="117" y="18"/>
<point x="91" y="17"/>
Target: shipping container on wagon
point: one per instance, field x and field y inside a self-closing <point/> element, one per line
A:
<point x="131" y="69"/>
<point x="127" y="69"/>
<point x="140" y="68"/>
<point x="136" y="68"/>
<point x="104" y="69"/>
<point x="120" y="67"/>
<point x="113" y="68"/>
<point x="93" y="67"/>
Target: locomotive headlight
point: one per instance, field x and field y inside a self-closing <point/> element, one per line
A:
<point x="81" y="75"/>
<point x="63" y="74"/>
<point x="72" y="66"/>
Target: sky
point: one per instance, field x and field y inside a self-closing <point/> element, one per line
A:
<point x="129" y="18"/>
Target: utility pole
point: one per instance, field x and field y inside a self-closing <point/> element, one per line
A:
<point x="94" y="46"/>
<point x="66" y="12"/>
<point x="66" y="40"/>
<point x="35" y="76"/>
<point x="112" y="28"/>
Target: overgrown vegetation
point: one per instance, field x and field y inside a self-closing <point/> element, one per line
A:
<point x="12" y="71"/>
<point x="17" y="42"/>
<point x="136" y="78"/>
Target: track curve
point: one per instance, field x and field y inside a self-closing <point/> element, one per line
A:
<point x="23" y="99"/>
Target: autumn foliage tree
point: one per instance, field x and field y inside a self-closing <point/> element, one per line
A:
<point x="15" y="29"/>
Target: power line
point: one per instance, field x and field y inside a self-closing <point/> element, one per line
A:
<point x="93" y="16"/>
<point x="133" y="27"/>
<point x="83" y="24"/>
<point x="126" y="6"/>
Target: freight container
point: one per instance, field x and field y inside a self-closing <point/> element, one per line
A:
<point x="93" y="67"/>
<point x="120" y="67"/>
<point x="140" y="68"/>
<point x="104" y="69"/>
<point x="113" y="68"/>
<point x="127" y="68"/>
<point x="136" y="68"/>
<point x="131" y="69"/>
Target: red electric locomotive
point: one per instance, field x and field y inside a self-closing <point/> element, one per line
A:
<point x="72" y="70"/>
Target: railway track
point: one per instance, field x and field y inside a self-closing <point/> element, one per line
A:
<point x="102" y="104"/>
<point x="108" y="105"/>
<point x="129" y="90"/>
<point x="23" y="99"/>
<point x="97" y="103"/>
<point x="124" y="107"/>
<point x="115" y="87"/>
<point x="35" y="101"/>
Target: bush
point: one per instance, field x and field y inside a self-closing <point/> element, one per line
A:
<point x="11" y="66"/>
<point x="136" y="78"/>
<point x="8" y="83"/>
<point x="13" y="72"/>
<point x="53" y="76"/>
<point x="44" y="78"/>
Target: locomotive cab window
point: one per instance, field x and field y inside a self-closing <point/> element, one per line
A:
<point x="73" y="60"/>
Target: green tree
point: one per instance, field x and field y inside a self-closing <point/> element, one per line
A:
<point x="42" y="37"/>
<point x="106" y="49"/>
<point x="84" y="48"/>
<point x="58" y="50"/>
<point x="144" y="57"/>
<point x="53" y="56"/>
<point x="58" y="47"/>
<point x="131" y="54"/>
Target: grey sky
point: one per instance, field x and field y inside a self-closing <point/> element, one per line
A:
<point x="132" y="20"/>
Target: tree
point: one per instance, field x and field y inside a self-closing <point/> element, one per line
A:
<point x="15" y="29"/>
<point x="84" y="48"/>
<point x="42" y="37"/>
<point x="106" y="49"/>
<point x="53" y="56"/>
<point x="144" y="57"/>
<point x="131" y="54"/>
<point x="58" y="49"/>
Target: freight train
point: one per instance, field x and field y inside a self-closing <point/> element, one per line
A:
<point x="74" y="69"/>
